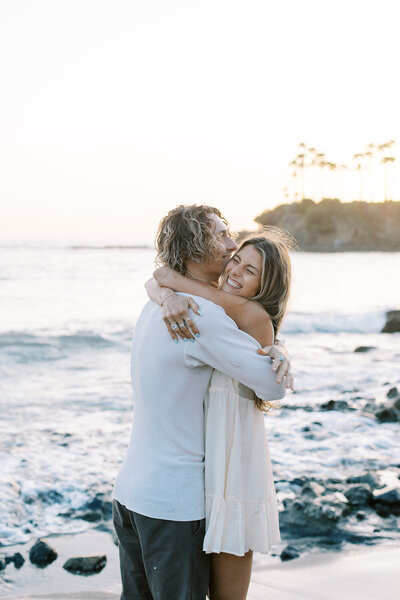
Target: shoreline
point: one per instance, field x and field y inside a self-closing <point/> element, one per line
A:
<point x="354" y="573"/>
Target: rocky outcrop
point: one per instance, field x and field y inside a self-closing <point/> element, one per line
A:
<point x="392" y="322"/>
<point x="313" y="516"/>
<point x="331" y="226"/>
<point x="289" y="553"/>
<point x="359" y="495"/>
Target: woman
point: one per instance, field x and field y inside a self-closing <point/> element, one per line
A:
<point x="241" y="507"/>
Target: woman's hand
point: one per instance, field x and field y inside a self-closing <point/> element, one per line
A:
<point x="176" y="316"/>
<point x="280" y="362"/>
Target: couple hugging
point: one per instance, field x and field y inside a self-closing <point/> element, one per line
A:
<point x="195" y="494"/>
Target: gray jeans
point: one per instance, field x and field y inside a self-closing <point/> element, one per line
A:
<point x="159" y="559"/>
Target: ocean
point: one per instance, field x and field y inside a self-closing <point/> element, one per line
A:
<point x="67" y="314"/>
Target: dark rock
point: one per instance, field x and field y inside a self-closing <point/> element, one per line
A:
<point x="393" y="393"/>
<point x="368" y="477"/>
<point x="85" y="565"/>
<point x="312" y="489"/>
<point x="387" y="496"/>
<point x="16" y="558"/>
<point x="383" y="510"/>
<point x="358" y="495"/>
<point x="396" y="403"/>
<point x="99" y="507"/>
<point x="289" y="553"/>
<point x="91" y="516"/>
<point x="364" y="348"/>
<point x="300" y="480"/>
<point x="106" y="509"/>
<point x="361" y="515"/>
<point x="2" y="564"/>
<point x="386" y="415"/>
<point x="335" y="405"/>
<point x="313" y="516"/>
<point x="392" y="322"/>
<point x="41" y="554"/>
<point x="51" y="497"/>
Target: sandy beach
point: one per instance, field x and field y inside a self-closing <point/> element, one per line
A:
<point x="359" y="573"/>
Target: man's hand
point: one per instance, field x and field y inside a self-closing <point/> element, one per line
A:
<point x="280" y="362"/>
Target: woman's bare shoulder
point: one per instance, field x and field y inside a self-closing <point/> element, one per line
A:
<point x="257" y="322"/>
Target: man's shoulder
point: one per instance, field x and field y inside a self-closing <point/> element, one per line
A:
<point x="205" y="304"/>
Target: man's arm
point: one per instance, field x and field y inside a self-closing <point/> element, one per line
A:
<point x="225" y="348"/>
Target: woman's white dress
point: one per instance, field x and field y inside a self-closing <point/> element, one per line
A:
<point x="241" y="505"/>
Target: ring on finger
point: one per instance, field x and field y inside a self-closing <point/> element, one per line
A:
<point x="174" y="327"/>
<point x="181" y="324"/>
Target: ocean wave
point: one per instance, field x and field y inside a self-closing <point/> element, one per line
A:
<point x="26" y="346"/>
<point x="371" y="322"/>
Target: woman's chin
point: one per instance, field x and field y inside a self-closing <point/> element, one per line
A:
<point x="230" y="290"/>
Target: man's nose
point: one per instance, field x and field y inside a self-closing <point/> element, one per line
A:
<point x="231" y="245"/>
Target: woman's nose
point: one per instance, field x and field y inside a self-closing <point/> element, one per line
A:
<point x="236" y="270"/>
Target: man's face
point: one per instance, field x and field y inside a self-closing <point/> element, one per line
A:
<point x="225" y="244"/>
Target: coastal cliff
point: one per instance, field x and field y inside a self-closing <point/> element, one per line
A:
<point x="331" y="225"/>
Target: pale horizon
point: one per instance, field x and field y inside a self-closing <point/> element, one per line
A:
<point x="115" y="112"/>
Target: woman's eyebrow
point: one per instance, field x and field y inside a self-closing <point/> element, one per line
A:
<point x="248" y="265"/>
<point x="253" y="267"/>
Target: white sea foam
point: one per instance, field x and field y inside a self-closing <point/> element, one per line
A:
<point x="66" y="319"/>
<point x="368" y="322"/>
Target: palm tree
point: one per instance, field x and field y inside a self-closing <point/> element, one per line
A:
<point x="383" y="148"/>
<point x="342" y="170"/>
<point x="294" y="174"/>
<point x="285" y="193"/>
<point x="358" y="167"/>
<point x="313" y="164"/>
<point x="300" y="160"/>
<point x="320" y="161"/>
<point x="332" y="167"/>
<point x="385" y="161"/>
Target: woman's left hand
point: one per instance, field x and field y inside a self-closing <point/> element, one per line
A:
<point x="176" y="316"/>
<point x="280" y="362"/>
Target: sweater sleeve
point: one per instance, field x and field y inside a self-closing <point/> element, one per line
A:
<point x="224" y="347"/>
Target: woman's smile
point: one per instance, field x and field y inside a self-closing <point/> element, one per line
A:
<point x="242" y="275"/>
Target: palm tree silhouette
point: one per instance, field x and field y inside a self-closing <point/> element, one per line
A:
<point x="385" y="161"/>
<point x="358" y="167"/>
<point x="320" y="161"/>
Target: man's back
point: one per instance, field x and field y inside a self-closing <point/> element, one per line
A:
<point x="163" y="473"/>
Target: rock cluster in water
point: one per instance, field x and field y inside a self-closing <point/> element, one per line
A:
<point x="329" y="509"/>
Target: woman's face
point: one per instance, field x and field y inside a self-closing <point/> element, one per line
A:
<point x="242" y="275"/>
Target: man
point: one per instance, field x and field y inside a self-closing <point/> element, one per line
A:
<point x="159" y="493"/>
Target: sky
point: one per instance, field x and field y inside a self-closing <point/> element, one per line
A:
<point x="112" y="112"/>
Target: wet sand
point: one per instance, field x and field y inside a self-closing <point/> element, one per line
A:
<point x="362" y="573"/>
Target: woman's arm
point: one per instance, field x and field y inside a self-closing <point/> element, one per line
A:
<point x="248" y="315"/>
<point x="156" y="293"/>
